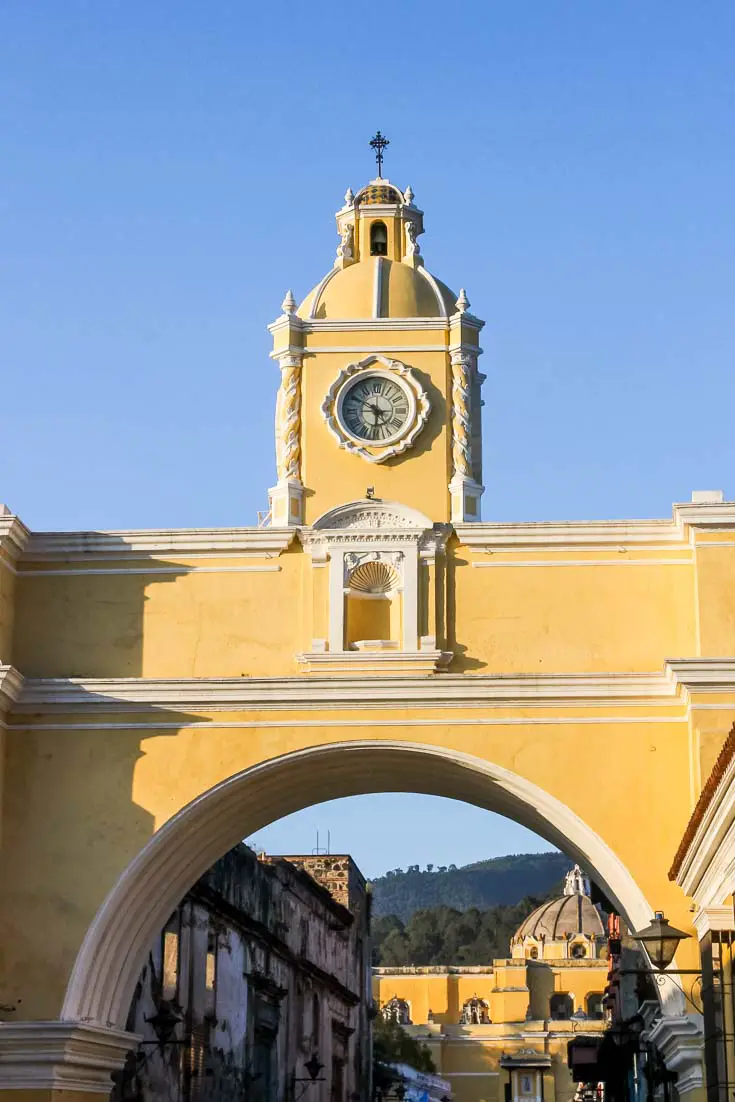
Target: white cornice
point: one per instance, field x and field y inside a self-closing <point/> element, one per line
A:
<point x="375" y="662"/>
<point x="136" y="544"/>
<point x="707" y="871"/>
<point x="361" y="325"/>
<point x="566" y="534"/>
<point x="704" y="675"/>
<point x="13" y="534"/>
<point x="598" y="534"/>
<point x="55" y="1055"/>
<point x="11" y="685"/>
<point x="388" y="691"/>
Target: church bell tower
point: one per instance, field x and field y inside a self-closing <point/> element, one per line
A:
<point x="380" y="390"/>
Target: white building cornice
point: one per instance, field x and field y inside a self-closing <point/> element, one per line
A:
<point x="390" y="691"/>
<point x="66" y="1056"/>
<point x="144" y="543"/>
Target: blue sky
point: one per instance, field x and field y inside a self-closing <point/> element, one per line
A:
<point x="170" y="169"/>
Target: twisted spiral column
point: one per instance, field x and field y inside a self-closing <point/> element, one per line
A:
<point x="461" y="428"/>
<point x="288" y="420"/>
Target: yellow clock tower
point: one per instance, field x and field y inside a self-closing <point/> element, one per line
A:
<point x="379" y="379"/>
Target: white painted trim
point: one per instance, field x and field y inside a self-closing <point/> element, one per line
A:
<point x="680" y="1040"/>
<point x="707" y="873"/>
<point x="378" y="287"/>
<point x="285" y="724"/>
<point x="377" y="662"/>
<point x="362" y="325"/>
<point x="61" y="1055"/>
<point x="462" y="690"/>
<point x="179" y="569"/>
<point x="141" y="543"/>
<point x="582" y="562"/>
<point x="109" y="961"/>
<point x="568" y="535"/>
<point x="11" y="686"/>
<point x="443" y="312"/>
<point x="314" y="350"/>
<point x="713" y="918"/>
<point x="319" y="291"/>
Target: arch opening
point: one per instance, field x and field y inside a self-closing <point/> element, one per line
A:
<point x="109" y="961"/>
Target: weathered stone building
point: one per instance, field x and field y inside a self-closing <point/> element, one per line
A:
<point x="258" y="972"/>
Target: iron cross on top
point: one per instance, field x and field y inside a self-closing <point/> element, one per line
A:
<point x="378" y="143"/>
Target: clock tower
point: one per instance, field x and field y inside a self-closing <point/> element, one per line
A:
<point x="380" y="390"/>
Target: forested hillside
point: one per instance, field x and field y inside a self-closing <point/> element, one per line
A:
<point x="444" y="935"/>
<point x="500" y="880"/>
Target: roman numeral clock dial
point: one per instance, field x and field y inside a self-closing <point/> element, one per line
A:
<point x="376" y="408"/>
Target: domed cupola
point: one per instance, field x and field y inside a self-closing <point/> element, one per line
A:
<point x="379" y="270"/>
<point x="569" y="926"/>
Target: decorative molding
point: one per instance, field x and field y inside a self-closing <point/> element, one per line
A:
<point x="379" y="661"/>
<point x="503" y="563"/>
<point x="680" y="1040"/>
<point x="14" y="535"/>
<point x="713" y="918"/>
<point x="365" y="325"/>
<point x="369" y="514"/>
<point x="704" y="865"/>
<point x="418" y="401"/>
<point x="11" y="687"/>
<point x="142" y="544"/>
<point x="61" y="1055"/>
<point x="284" y="693"/>
<point x="462" y="364"/>
<point x="288" y="419"/>
<point x="178" y="569"/>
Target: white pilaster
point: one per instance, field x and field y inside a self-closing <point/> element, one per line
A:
<point x="336" y="599"/>
<point x="410" y="597"/>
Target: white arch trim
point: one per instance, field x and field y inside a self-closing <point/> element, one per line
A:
<point x="113" y="951"/>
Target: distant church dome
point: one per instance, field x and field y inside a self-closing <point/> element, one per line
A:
<point x="570" y="920"/>
<point x="379" y="270"/>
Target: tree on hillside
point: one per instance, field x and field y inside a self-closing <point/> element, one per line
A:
<point x="445" y="935"/>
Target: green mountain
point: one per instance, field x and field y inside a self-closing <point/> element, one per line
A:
<point x="501" y="880"/>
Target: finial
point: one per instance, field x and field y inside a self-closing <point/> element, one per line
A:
<point x="349" y="197"/>
<point x="462" y="303"/>
<point x="289" y="303"/>
<point x="408" y="195"/>
<point x="378" y="143"/>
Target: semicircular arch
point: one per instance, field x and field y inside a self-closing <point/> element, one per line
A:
<point x="113" y="952"/>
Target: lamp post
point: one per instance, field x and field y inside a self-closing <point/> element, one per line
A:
<point x="660" y="940"/>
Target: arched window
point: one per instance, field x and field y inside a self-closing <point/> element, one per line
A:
<point x="560" y="1007"/>
<point x="475" y="1012"/>
<point x="533" y="953"/>
<point x="397" y="1010"/>
<point x="578" y="950"/>
<point x="594" y="1006"/>
<point x="378" y="239"/>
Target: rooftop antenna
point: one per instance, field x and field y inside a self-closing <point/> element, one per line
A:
<point x="378" y="143"/>
<point x="317" y="851"/>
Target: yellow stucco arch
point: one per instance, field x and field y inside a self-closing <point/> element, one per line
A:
<point x="113" y="951"/>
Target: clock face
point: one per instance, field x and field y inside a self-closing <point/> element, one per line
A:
<point x="375" y="409"/>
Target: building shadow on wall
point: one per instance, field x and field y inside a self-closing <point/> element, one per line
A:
<point x="69" y="819"/>
<point x="463" y="662"/>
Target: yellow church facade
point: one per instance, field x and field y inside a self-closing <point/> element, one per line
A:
<point x="164" y="693"/>
<point x="501" y="1030"/>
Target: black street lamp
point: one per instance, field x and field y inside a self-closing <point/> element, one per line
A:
<point x="661" y="940"/>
